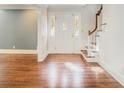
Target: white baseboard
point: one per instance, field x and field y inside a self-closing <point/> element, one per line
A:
<point x="55" y="52"/>
<point x="115" y="74"/>
<point x="42" y="57"/>
<point x="64" y="53"/>
<point x="14" y="51"/>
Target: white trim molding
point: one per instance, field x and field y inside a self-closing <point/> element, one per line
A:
<point x="15" y="51"/>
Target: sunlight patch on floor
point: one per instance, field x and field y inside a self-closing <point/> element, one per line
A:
<point x="97" y="70"/>
<point x="73" y="67"/>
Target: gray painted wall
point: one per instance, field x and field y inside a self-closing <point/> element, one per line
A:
<point x="18" y="28"/>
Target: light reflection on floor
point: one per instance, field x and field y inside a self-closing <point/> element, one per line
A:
<point x="64" y="80"/>
<point x="77" y="79"/>
<point x="53" y="74"/>
<point x="73" y="67"/>
<point x="75" y="73"/>
<point x="97" y="70"/>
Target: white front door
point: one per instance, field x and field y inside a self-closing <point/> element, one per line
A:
<point x="64" y="34"/>
<point x="64" y="40"/>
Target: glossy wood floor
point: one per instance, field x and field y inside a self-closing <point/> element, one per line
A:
<point x="70" y="71"/>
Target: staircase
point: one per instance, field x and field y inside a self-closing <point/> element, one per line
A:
<point x="90" y="53"/>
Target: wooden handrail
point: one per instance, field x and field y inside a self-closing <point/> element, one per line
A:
<point x="97" y="14"/>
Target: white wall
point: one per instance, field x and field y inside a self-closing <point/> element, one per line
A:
<point x="111" y="41"/>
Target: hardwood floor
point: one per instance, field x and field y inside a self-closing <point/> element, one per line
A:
<point x="70" y="71"/>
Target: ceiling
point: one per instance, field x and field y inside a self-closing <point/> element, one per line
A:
<point x="31" y="6"/>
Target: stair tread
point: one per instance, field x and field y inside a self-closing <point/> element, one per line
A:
<point x="84" y="52"/>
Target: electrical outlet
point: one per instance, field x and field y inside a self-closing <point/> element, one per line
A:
<point x="13" y="47"/>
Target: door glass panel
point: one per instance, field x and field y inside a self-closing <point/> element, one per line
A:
<point x="76" y="26"/>
<point x="64" y="24"/>
<point x="53" y="23"/>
